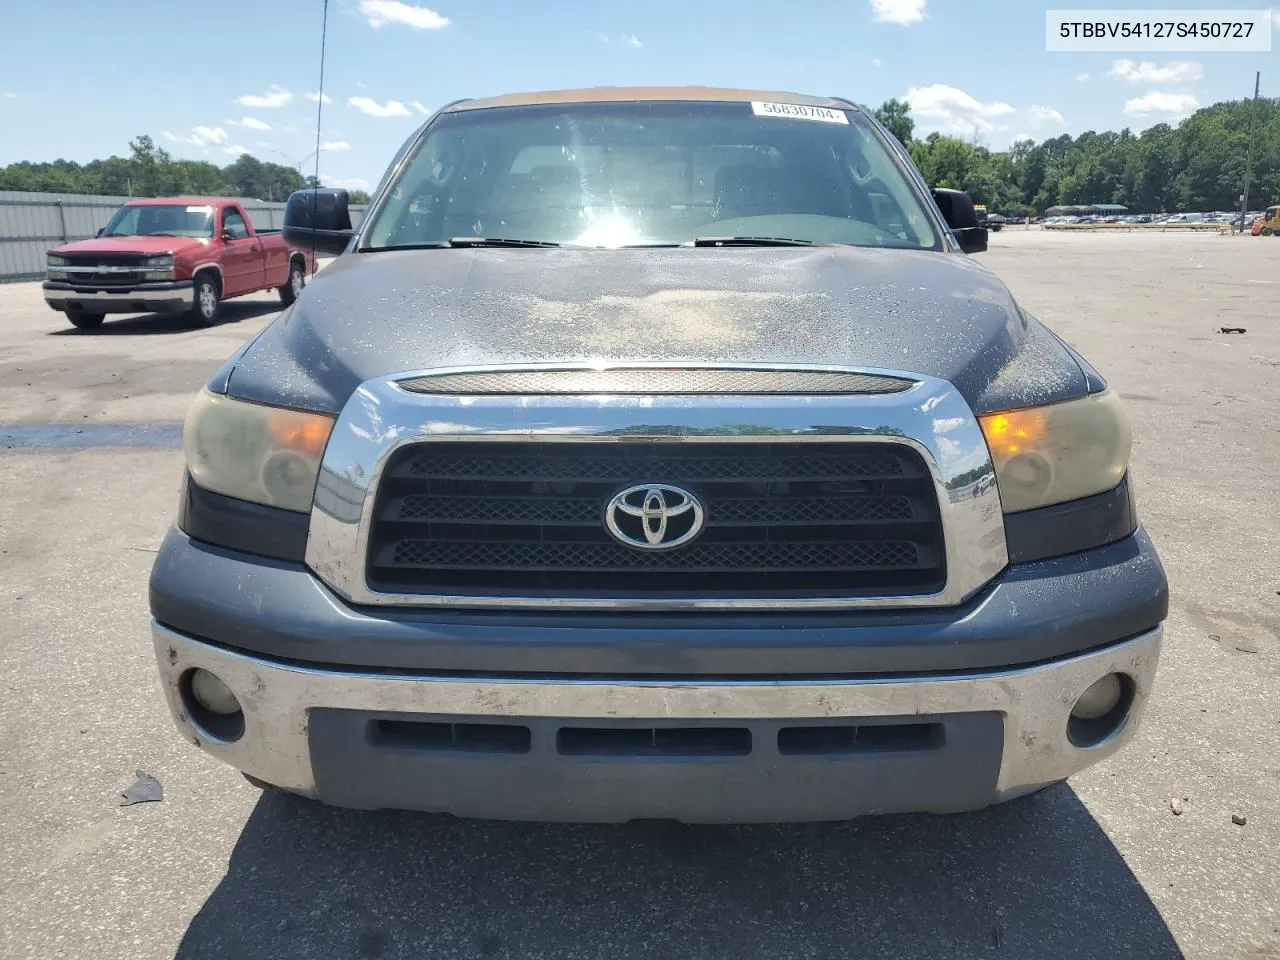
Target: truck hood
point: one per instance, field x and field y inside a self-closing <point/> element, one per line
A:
<point x="375" y="314"/>
<point x="139" y="245"/>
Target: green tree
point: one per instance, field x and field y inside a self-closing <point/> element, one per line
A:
<point x="896" y="116"/>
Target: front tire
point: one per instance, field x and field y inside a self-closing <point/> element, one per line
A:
<point x="205" y="305"/>
<point x="85" y="321"/>
<point x="1266" y="231"/>
<point x="293" y="286"/>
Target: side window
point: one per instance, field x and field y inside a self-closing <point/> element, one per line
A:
<point x="233" y="224"/>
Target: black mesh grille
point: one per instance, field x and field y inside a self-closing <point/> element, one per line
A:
<point x="781" y="519"/>
<point x="654" y="380"/>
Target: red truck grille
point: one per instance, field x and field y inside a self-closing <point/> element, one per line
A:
<point x="112" y="276"/>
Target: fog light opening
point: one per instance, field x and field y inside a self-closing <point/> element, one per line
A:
<point x="211" y="705"/>
<point x="1101" y="710"/>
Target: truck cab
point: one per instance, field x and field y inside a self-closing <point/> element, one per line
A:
<point x="1268" y="225"/>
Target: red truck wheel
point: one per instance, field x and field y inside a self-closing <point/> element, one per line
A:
<point x="204" y="307"/>
<point x="293" y="286"/>
<point x="84" y="321"/>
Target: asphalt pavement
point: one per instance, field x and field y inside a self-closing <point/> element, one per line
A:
<point x="1099" y="868"/>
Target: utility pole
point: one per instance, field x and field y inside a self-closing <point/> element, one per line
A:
<point x="1248" y="163"/>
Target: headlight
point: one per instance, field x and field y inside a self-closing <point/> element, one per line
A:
<point x="52" y="260"/>
<point x="1065" y="451"/>
<point x="158" y="268"/>
<point x="268" y="455"/>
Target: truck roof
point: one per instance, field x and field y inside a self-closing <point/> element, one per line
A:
<point x="194" y="201"/>
<point x="616" y="94"/>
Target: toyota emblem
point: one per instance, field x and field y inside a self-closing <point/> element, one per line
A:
<point x="654" y="516"/>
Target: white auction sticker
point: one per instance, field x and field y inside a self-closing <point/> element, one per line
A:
<point x="798" y="111"/>
<point x="1171" y="31"/>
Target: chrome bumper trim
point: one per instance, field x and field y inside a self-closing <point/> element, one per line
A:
<point x="183" y="295"/>
<point x="1035" y="702"/>
<point x="931" y="417"/>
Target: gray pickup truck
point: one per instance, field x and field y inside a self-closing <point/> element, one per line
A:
<point x="656" y="453"/>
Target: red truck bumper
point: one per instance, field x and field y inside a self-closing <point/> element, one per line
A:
<point x="144" y="298"/>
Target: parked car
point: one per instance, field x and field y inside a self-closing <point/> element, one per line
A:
<point x="644" y="479"/>
<point x="172" y="255"/>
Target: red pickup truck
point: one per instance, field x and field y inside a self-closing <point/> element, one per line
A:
<point x="171" y="255"/>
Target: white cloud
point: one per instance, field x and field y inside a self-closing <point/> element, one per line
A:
<point x="631" y="40"/>
<point x="1082" y="78"/>
<point x="335" y="145"/>
<point x="1176" y="71"/>
<point x="9" y="95"/>
<point x="950" y="110"/>
<point x="1045" y="116"/>
<point x="255" y="124"/>
<point x="875" y="61"/>
<point x="275" y="96"/>
<point x="904" y="12"/>
<point x="201" y="136"/>
<point x="1022" y="136"/>
<point x="1158" y="103"/>
<point x="315" y="96"/>
<point x="360" y="85"/>
<point x="392" y="108"/>
<point x="234" y="150"/>
<point x="379" y="13"/>
<point x="420" y="108"/>
<point x="287" y="128"/>
<point x="602" y="37"/>
<point x="353" y="183"/>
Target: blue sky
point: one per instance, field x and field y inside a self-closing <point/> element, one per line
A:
<point x="79" y="78"/>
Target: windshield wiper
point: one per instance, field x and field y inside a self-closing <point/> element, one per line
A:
<point x="748" y="242"/>
<point x="497" y="242"/>
<point x="461" y="243"/>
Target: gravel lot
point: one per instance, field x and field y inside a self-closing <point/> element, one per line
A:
<point x="1100" y="868"/>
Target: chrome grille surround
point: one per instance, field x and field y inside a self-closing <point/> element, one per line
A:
<point x="930" y="417"/>
<point x="650" y="381"/>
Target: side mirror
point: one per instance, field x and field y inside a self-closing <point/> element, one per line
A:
<point x="318" y="220"/>
<point x="957" y="209"/>
<point x="99" y="233"/>
<point x="227" y="236"/>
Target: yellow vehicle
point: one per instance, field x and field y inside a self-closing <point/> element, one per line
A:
<point x="1268" y="224"/>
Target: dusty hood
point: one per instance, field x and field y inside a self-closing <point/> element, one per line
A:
<point x="370" y="315"/>
<point x="141" y="245"/>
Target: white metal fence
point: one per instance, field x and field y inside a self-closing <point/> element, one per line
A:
<point x="32" y="223"/>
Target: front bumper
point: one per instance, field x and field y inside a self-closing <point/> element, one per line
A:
<point x="697" y="750"/>
<point x="144" y="298"/>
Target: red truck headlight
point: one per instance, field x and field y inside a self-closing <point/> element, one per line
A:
<point x="158" y="268"/>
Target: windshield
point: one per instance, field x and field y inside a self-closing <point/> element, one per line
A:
<point x="651" y="173"/>
<point x="154" y="220"/>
